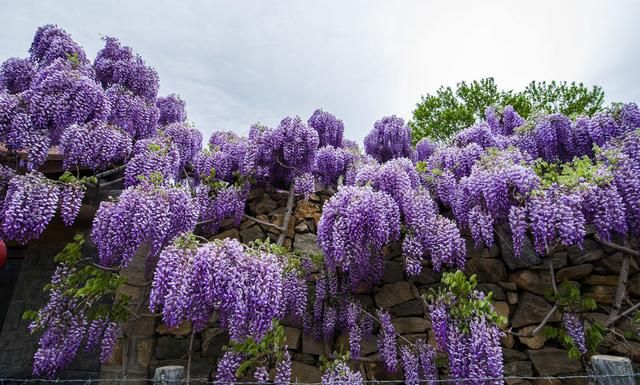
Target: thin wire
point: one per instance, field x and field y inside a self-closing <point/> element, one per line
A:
<point x="439" y="381"/>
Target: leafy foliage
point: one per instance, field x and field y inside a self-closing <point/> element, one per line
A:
<point x="439" y="116"/>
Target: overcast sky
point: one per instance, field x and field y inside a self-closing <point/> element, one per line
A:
<point x="239" y="62"/>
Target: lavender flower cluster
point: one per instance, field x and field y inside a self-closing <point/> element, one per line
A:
<point x="187" y="139"/>
<point x="330" y="129"/>
<point x="339" y="373"/>
<point x="244" y="287"/>
<point x="144" y="214"/>
<point x="172" y="109"/>
<point x="472" y="345"/>
<point x="355" y="224"/>
<point x="389" y="139"/>
<point x="29" y="205"/>
<point x="96" y="145"/>
<point x="155" y="156"/>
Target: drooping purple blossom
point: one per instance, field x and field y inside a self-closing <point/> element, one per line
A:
<point x="132" y="113"/>
<point x="116" y="64"/>
<point x="142" y="214"/>
<point x="356" y="223"/>
<point x="387" y="342"/>
<point x="95" y="145"/>
<point x="16" y="75"/>
<point x="29" y="205"/>
<point x="172" y="109"/>
<point x="574" y="327"/>
<point x="389" y="139"/>
<point x="330" y="129"/>
<point x="51" y="42"/>
<point x="339" y="373"/>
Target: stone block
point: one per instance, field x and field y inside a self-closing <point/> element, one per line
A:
<point x="304" y="373"/>
<point x="405" y="325"/>
<point x="413" y="307"/>
<point x="574" y="273"/>
<point x="311" y="346"/>
<point x="394" y="294"/>
<point x="306" y="244"/>
<point x="552" y="362"/>
<point x="487" y="270"/>
<point x="292" y="337"/>
<point x="252" y="233"/>
<point x="531" y="311"/>
<point x="535" y="342"/>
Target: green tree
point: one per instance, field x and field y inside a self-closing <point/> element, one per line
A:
<point x="448" y="111"/>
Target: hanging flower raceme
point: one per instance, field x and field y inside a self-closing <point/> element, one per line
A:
<point x="424" y="149"/>
<point x="16" y="75"/>
<point x="116" y="64"/>
<point x="479" y="134"/>
<point x="219" y="203"/>
<point x="397" y="177"/>
<point x="61" y="95"/>
<point x="282" y="153"/>
<point x="187" y="139"/>
<point x="387" y="342"/>
<point x="29" y="205"/>
<point x="144" y="214"/>
<point x="339" y="373"/>
<point x="305" y="184"/>
<point x="503" y="123"/>
<point x="51" y="42"/>
<point x="465" y="327"/>
<point x="132" y="113"/>
<point x="497" y="181"/>
<point x="330" y="129"/>
<point x="172" y="109"/>
<point x="332" y="163"/>
<point x="574" y="327"/>
<point x="18" y="133"/>
<point x="96" y="145"/>
<point x="389" y="139"/>
<point x="226" y="158"/>
<point x="429" y="233"/>
<point x="153" y="158"/>
<point x="244" y="286"/>
<point x="356" y="223"/>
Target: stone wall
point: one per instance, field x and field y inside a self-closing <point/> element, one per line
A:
<point x="36" y="265"/>
<point x="518" y="285"/>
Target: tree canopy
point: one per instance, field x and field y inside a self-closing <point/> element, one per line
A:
<point x="439" y="116"/>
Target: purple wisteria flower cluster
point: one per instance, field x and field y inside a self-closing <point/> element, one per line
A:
<point x="330" y="129"/>
<point x="96" y="145"/>
<point x="339" y="373"/>
<point x="30" y="203"/>
<point x="157" y="157"/>
<point x="356" y="223"/>
<point x="389" y="139"/>
<point x="471" y="342"/>
<point x="172" y="109"/>
<point x="245" y="287"/>
<point x="144" y="214"/>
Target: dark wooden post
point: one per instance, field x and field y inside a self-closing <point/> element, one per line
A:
<point x="616" y="370"/>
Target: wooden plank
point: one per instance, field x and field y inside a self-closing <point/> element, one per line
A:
<point x="616" y="370"/>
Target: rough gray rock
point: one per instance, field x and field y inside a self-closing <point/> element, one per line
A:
<point x="394" y="294"/>
<point x="531" y="311"/>
<point x="526" y="259"/>
<point x="306" y="244"/>
<point x="552" y="361"/>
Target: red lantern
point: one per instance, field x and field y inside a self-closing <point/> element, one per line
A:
<point x="3" y="254"/>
